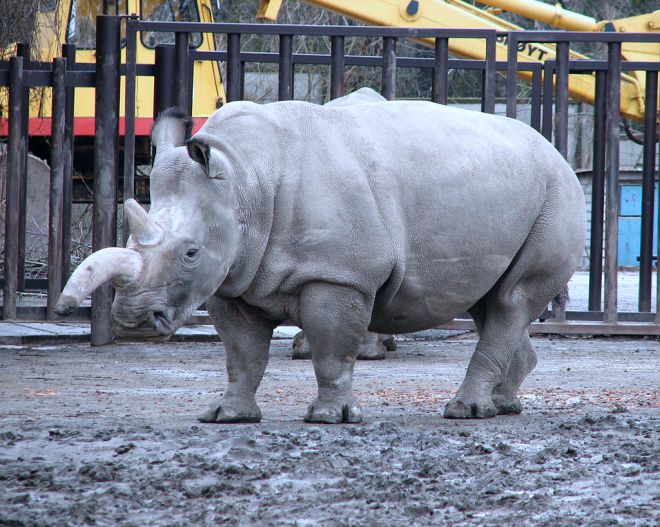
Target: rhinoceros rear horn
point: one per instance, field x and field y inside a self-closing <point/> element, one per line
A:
<point x="143" y="229"/>
<point x="121" y="266"/>
<point x="172" y="128"/>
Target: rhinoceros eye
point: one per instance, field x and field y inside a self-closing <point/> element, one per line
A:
<point x="191" y="255"/>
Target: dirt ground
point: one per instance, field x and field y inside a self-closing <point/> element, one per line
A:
<point x="108" y="436"/>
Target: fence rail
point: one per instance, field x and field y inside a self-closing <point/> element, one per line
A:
<point x="173" y="75"/>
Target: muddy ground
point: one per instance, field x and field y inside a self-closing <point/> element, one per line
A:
<point x="107" y="436"/>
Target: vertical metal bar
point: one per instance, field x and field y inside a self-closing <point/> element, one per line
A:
<point x="535" y="118"/>
<point x="598" y="194"/>
<point x="657" y="266"/>
<point x="512" y="75"/>
<point x="241" y="92"/>
<point x="23" y="50"/>
<point x="441" y="71"/>
<point x="612" y="185"/>
<point x="548" y="72"/>
<point x="233" y="67"/>
<point x="12" y="188"/>
<point x="106" y="150"/>
<point x="69" y="53"/>
<point x="129" y="124"/>
<point x="337" y="67"/>
<point x="561" y="100"/>
<point x="164" y="78"/>
<point x="648" y="191"/>
<point x="56" y="187"/>
<point x="388" y="83"/>
<point x="182" y="67"/>
<point x="285" y="89"/>
<point x="488" y="85"/>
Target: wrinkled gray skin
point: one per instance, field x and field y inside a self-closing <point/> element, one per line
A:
<point x="391" y="217"/>
<point x="372" y="347"/>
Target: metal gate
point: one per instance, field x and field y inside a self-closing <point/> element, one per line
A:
<point x="173" y="73"/>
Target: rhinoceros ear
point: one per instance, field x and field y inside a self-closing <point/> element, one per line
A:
<point x="171" y="129"/>
<point x="212" y="161"/>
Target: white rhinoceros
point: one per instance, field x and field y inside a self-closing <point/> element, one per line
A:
<point x="388" y="216"/>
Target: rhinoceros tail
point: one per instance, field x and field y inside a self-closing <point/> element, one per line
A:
<point x="173" y="127"/>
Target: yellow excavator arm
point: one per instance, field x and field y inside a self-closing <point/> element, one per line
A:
<point x="459" y="14"/>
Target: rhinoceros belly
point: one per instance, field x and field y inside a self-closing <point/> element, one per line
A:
<point x="437" y="291"/>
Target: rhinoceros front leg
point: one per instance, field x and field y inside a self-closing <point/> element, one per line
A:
<point x="335" y="320"/>
<point x="246" y="336"/>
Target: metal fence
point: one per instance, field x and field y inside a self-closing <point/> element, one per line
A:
<point x="173" y="72"/>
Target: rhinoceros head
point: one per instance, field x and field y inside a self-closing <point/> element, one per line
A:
<point x="180" y="252"/>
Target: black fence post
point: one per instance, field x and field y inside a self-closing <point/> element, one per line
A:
<point x="612" y="187"/>
<point x="489" y="75"/>
<point x="69" y="53"/>
<point x="648" y="191"/>
<point x="388" y="83"/>
<point x="12" y="188"/>
<point x="241" y="91"/>
<point x="441" y="71"/>
<point x="337" y="67"/>
<point x="512" y="76"/>
<point x="546" y="107"/>
<point x="561" y="100"/>
<point x="164" y="79"/>
<point x="233" y="67"/>
<point x="285" y="87"/>
<point x="598" y="194"/>
<point x="23" y="50"/>
<point x="56" y="186"/>
<point x="182" y="96"/>
<point x="129" y="124"/>
<point x="106" y="150"/>
<point x="535" y="118"/>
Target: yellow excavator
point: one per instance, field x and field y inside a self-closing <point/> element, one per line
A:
<point x="459" y="14"/>
<point x="73" y="21"/>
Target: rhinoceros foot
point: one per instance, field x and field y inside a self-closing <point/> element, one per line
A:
<point x="461" y="408"/>
<point x="334" y="412"/>
<point x="507" y="405"/>
<point x="231" y="411"/>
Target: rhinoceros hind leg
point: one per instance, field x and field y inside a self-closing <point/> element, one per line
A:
<point x="504" y="355"/>
<point x="300" y="347"/>
<point x="373" y="347"/>
<point x="505" y="394"/>
<point x="335" y="320"/>
<point x="389" y="342"/>
<point x="225" y="411"/>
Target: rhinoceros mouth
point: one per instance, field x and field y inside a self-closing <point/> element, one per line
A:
<point x="156" y="323"/>
<point x="163" y="324"/>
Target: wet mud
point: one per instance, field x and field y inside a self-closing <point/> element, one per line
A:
<point x="108" y="436"/>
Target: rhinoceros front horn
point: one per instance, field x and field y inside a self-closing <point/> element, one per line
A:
<point x="121" y="266"/>
<point x="143" y="229"/>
